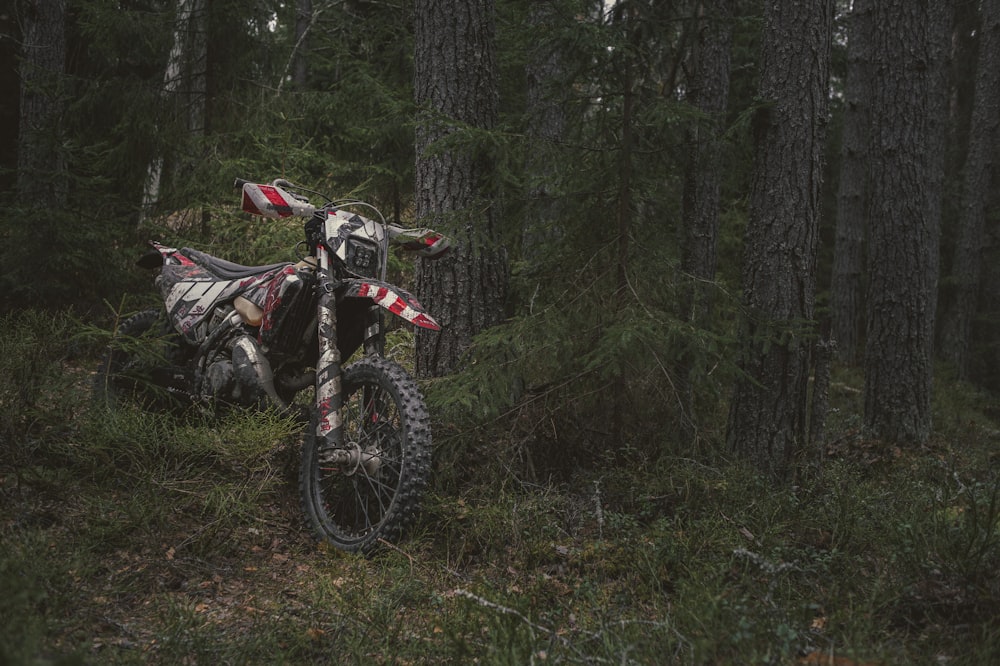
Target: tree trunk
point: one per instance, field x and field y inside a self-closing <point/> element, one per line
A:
<point x="709" y="95"/>
<point x="456" y="87"/>
<point x="546" y="126"/>
<point x="977" y="176"/>
<point x="846" y="288"/>
<point x="303" y="23"/>
<point x="184" y="85"/>
<point x="41" y="169"/>
<point x="768" y="412"/>
<point x="909" y="95"/>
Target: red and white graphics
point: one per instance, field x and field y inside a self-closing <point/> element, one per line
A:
<point x="393" y="299"/>
<point x="426" y="243"/>
<point x="272" y="201"/>
<point x="191" y="291"/>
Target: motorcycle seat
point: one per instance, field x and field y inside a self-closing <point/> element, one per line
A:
<point x="228" y="270"/>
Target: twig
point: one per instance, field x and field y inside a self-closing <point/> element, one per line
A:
<point x="505" y="610"/>
<point x="492" y="605"/>
<point x="399" y="550"/>
<point x="315" y="14"/>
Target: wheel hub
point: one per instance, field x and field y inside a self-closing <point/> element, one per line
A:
<point x="352" y="457"/>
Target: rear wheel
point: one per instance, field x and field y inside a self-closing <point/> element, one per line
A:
<point x="369" y="489"/>
<point x="137" y="364"/>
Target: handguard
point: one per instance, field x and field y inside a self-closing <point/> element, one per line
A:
<point x="426" y="243"/>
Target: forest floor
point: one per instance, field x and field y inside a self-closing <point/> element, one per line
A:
<point x="134" y="538"/>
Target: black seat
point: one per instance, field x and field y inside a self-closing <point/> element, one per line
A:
<point x="227" y="269"/>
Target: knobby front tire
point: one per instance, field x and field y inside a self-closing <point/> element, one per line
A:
<point x="376" y="495"/>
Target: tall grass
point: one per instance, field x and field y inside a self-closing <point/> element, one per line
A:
<point x="129" y="537"/>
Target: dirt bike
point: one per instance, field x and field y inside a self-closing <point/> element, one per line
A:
<point x="259" y="336"/>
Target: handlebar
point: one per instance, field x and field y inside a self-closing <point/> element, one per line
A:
<point x="275" y="201"/>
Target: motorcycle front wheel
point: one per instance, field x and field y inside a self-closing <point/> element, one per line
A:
<point x="369" y="489"/>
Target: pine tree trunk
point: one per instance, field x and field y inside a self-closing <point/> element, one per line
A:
<point x="41" y="171"/>
<point x="768" y="412"/>
<point x="546" y="120"/>
<point x="709" y="95"/>
<point x="846" y="288"/>
<point x="977" y="176"/>
<point x="456" y="86"/>
<point x="908" y="111"/>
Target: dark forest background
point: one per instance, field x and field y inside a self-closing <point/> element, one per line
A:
<point x="682" y="197"/>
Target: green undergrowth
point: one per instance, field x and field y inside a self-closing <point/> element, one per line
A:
<point x="131" y="538"/>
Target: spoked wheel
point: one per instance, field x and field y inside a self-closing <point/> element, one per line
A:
<point x="369" y="489"/>
<point x="137" y="364"/>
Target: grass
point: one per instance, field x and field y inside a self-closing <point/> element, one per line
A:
<point x="138" y="538"/>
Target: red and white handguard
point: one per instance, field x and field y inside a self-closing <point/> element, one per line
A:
<point x="272" y="201"/>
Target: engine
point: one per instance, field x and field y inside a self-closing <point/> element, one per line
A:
<point x="244" y="379"/>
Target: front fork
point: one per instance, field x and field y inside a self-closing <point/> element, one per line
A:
<point x="329" y="396"/>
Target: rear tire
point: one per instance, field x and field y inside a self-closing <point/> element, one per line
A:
<point x="136" y="366"/>
<point x="356" y="506"/>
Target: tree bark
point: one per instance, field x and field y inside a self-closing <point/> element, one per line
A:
<point x="303" y="23"/>
<point x="908" y="111"/>
<point x="41" y="169"/>
<point x="977" y="175"/>
<point x="456" y="89"/>
<point x="847" y="288"/>
<point x="709" y="94"/>
<point x="768" y="412"/>
<point x="184" y="85"/>
<point x="702" y="182"/>
<point x="546" y="126"/>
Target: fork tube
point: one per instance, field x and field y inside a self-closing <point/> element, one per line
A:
<point x="329" y="399"/>
<point x="374" y="340"/>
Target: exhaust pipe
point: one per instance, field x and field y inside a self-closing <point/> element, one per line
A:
<point x="253" y="371"/>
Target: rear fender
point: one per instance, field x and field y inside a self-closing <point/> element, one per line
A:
<point x="160" y="254"/>
<point x="397" y="301"/>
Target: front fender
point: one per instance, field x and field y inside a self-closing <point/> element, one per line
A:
<point x="397" y="301"/>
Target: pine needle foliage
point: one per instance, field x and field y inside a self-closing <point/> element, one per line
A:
<point x="596" y="352"/>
